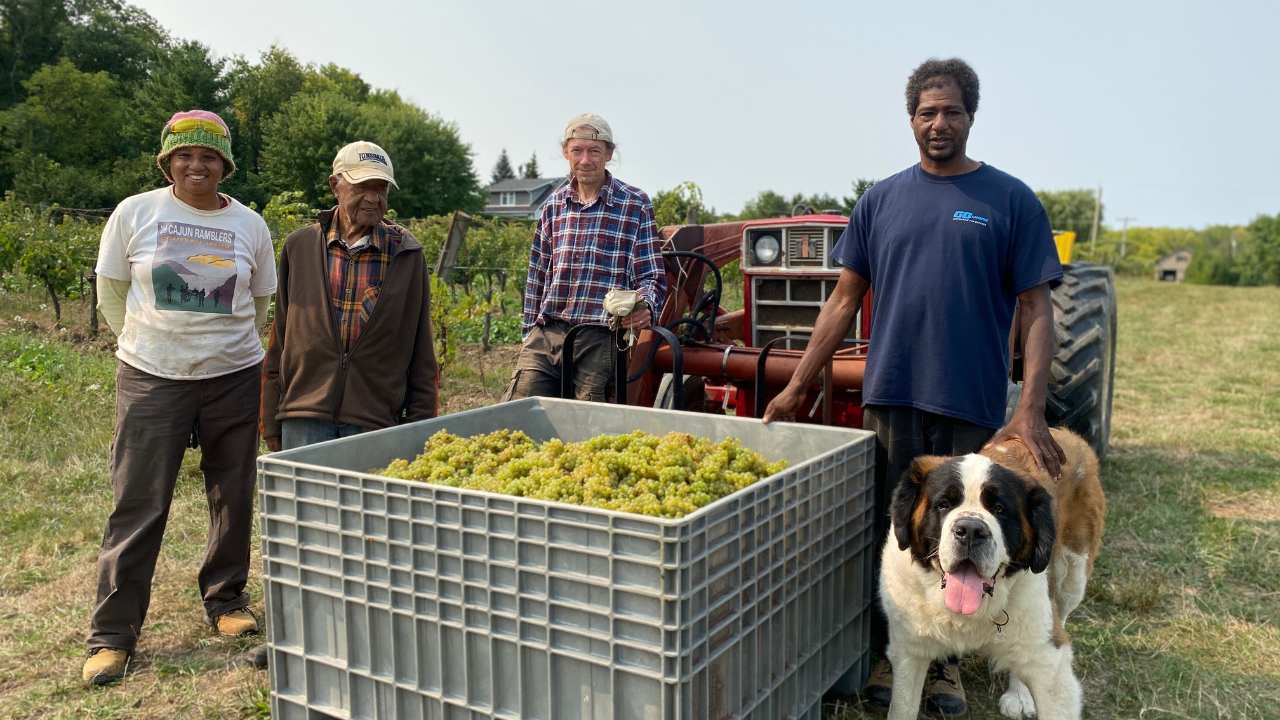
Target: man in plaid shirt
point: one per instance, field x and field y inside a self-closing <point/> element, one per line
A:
<point x="596" y="234"/>
<point x="351" y="348"/>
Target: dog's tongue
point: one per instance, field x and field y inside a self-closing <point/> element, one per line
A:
<point x="964" y="591"/>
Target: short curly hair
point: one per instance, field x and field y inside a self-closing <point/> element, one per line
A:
<point x="935" y="73"/>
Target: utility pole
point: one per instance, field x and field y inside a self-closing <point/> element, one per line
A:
<point x="1124" y="234"/>
<point x="1097" y="215"/>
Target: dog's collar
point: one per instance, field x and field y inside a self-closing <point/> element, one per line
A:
<point x="1000" y="625"/>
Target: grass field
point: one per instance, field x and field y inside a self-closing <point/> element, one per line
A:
<point x="1182" y="619"/>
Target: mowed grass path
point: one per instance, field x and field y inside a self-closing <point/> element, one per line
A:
<point x="1182" y="617"/>
<point x="1180" y="620"/>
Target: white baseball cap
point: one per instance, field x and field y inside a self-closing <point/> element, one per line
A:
<point x="588" y="126"/>
<point x="362" y="160"/>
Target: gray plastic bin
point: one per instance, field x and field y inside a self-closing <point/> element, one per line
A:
<point x="395" y="599"/>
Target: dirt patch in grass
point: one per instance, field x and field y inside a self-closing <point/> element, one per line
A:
<point x="28" y="311"/>
<point x="1251" y="506"/>
<point x="476" y="378"/>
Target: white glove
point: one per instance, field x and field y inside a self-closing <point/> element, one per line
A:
<point x="619" y="304"/>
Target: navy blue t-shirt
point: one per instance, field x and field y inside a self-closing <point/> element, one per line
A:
<point x="946" y="258"/>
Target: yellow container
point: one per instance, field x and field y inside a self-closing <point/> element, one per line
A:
<point x="1065" y="240"/>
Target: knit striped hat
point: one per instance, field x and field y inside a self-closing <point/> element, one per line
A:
<point x="195" y="127"/>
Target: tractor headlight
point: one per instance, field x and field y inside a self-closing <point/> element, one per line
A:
<point x="766" y="249"/>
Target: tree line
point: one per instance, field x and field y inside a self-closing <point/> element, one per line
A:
<point x="502" y="169"/>
<point x="89" y="84"/>
<point x="1221" y="254"/>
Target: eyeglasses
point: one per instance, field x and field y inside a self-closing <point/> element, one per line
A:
<point x="190" y="124"/>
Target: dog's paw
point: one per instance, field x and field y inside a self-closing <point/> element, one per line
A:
<point x="1016" y="702"/>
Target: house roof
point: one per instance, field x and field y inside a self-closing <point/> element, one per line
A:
<point x="523" y="184"/>
<point x="1175" y="257"/>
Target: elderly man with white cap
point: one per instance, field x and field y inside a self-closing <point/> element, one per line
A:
<point x="351" y="348"/>
<point x="595" y="234"/>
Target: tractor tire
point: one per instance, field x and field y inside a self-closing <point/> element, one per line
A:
<point x="695" y="395"/>
<point x="1082" y="373"/>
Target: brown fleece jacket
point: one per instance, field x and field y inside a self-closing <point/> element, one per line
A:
<point x="387" y="377"/>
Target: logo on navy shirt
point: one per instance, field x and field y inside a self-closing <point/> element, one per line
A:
<point x="966" y="216"/>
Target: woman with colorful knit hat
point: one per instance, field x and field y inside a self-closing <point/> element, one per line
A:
<point x="185" y="276"/>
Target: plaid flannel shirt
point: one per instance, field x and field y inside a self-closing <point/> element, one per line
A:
<point x="580" y="252"/>
<point x="355" y="277"/>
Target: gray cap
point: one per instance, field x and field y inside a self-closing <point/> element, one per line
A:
<point x="588" y="126"/>
<point x="362" y="160"/>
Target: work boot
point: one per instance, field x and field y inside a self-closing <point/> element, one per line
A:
<point x="237" y="623"/>
<point x="943" y="692"/>
<point x="878" y="691"/>
<point x="104" y="665"/>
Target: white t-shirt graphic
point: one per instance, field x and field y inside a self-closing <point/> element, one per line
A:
<point x="193" y="276"/>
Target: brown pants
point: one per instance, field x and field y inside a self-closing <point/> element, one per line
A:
<point x="155" y="419"/>
<point x="538" y="368"/>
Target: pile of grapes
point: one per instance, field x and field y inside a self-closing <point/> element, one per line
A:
<point x="668" y="476"/>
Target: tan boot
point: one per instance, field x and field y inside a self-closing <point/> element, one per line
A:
<point x="943" y="691"/>
<point x="878" y="691"/>
<point x="237" y="623"/>
<point x="104" y="665"/>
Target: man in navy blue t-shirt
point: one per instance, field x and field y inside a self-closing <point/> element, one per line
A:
<point x="947" y="246"/>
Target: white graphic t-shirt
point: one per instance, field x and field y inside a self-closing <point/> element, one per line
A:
<point x="193" y="274"/>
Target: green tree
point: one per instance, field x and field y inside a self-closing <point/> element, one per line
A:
<point x="30" y="37"/>
<point x="112" y="37"/>
<point x="95" y="35"/>
<point x="334" y="78"/>
<point x="680" y="205"/>
<point x="185" y="76"/>
<point x="1211" y="268"/>
<point x="433" y="165"/>
<point x="85" y="163"/>
<point x="1213" y="258"/>
<point x="285" y="213"/>
<point x="767" y="204"/>
<point x="860" y="188"/>
<point x="54" y="250"/>
<point x="301" y="139"/>
<point x="502" y="169"/>
<point x="1136" y="251"/>
<point x="1258" y="260"/>
<point x="256" y="92"/>
<point x="529" y="170"/>
<point x="82" y="129"/>
<point x="69" y="115"/>
<point x="1071" y="210"/>
<point x="15" y="220"/>
<point x="818" y="203"/>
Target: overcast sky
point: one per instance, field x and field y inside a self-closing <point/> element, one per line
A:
<point x="1154" y="101"/>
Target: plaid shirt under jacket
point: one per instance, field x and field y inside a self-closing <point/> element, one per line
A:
<point x="580" y="252"/>
<point x="355" y="277"/>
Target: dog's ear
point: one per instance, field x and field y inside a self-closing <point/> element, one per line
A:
<point x="1040" y="516"/>
<point x="909" y="495"/>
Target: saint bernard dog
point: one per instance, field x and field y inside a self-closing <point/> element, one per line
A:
<point x="989" y="554"/>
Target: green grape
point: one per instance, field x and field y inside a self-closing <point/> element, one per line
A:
<point x="666" y="476"/>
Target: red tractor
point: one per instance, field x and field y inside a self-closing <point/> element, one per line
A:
<point x="705" y="358"/>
